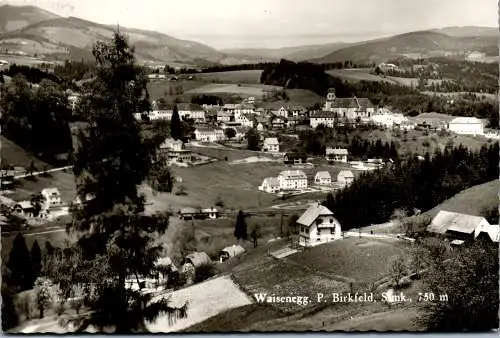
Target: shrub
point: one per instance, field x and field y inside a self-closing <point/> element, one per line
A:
<point x="204" y="272"/>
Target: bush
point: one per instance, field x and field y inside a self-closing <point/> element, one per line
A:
<point x="404" y="283"/>
<point x="204" y="272"/>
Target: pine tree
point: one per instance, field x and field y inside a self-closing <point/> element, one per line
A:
<point x="36" y="261"/>
<point x="115" y="237"/>
<point x="19" y="263"/>
<point x="240" y="229"/>
<point x="176" y="125"/>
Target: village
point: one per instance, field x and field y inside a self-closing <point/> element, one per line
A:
<point x="150" y="184"/>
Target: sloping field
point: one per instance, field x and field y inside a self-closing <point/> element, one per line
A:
<point x="257" y="91"/>
<point x="276" y="277"/>
<point x="471" y="201"/>
<point x="358" y="74"/>
<point x="17" y="156"/>
<point x="238" y="76"/>
<point x="64" y="181"/>
<point x="205" y="300"/>
<point x="364" y="260"/>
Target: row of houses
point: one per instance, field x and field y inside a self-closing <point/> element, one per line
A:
<point x="289" y="180"/>
<point x="50" y="201"/>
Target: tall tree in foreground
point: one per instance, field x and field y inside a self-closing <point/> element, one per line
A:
<point x="36" y="261"/>
<point x="19" y="264"/>
<point x="114" y="234"/>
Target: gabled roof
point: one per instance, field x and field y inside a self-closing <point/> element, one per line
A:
<point x="189" y="210"/>
<point x="454" y="221"/>
<point x="322" y="114"/>
<point x="189" y="107"/>
<point x="336" y="151"/>
<point x="323" y="174"/>
<point x="345" y="174"/>
<point x="293" y="174"/>
<point x="465" y="120"/>
<point x="198" y="259"/>
<point x="296" y="155"/>
<point x="233" y="250"/>
<point x="271" y="141"/>
<point x="24" y="205"/>
<point x="51" y="192"/>
<point x="311" y="214"/>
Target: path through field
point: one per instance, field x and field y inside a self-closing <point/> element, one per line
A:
<point x="205" y="300"/>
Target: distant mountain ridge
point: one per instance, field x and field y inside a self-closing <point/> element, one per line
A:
<point x="14" y="17"/>
<point x="29" y="30"/>
<point x="419" y="44"/>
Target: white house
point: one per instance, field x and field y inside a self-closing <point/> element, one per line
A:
<point x="211" y="213"/>
<point x="270" y="185"/>
<point x="224" y="116"/>
<point x="323" y="178"/>
<point x="271" y="145"/>
<point x="325" y="118"/>
<point x="209" y="135"/>
<point x="292" y="180"/>
<point x="389" y="120"/>
<point x="191" y="111"/>
<point x="173" y="151"/>
<point x="466" y="126"/>
<point x="345" y="178"/>
<point x="337" y="154"/>
<point x="260" y="127"/>
<point x="244" y="119"/>
<point x="318" y="226"/>
<point x="162" y="114"/>
<point x="458" y="225"/>
<point x="52" y="198"/>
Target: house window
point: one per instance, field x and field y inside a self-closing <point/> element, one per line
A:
<point x="307" y="230"/>
<point x="318" y="221"/>
<point x="331" y="220"/>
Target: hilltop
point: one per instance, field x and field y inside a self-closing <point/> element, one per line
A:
<point x="472" y="201"/>
<point x="415" y="44"/>
<point x="17" y="17"/>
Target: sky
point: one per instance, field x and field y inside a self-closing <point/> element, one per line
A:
<point x="277" y="23"/>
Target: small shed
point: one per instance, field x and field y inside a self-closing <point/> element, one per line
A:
<point x="188" y="213"/>
<point x="193" y="261"/>
<point x="229" y="252"/>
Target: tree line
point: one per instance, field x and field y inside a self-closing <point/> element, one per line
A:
<point x="19" y="273"/>
<point x="316" y="141"/>
<point x="373" y="196"/>
<point x="37" y="119"/>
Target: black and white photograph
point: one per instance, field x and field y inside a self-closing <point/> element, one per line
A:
<point x="229" y="166"/>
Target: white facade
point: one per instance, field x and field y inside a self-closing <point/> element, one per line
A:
<point x="345" y="178"/>
<point x="271" y="145"/>
<point x="52" y="198"/>
<point x="243" y="119"/>
<point x="466" y="126"/>
<point x="318" y="226"/>
<point x="337" y="154"/>
<point x="292" y="180"/>
<point x="209" y="135"/>
<point x="325" y="118"/>
<point x="164" y="114"/>
<point x="270" y="185"/>
<point x="389" y="120"/>
<point x="323" y="178"/>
